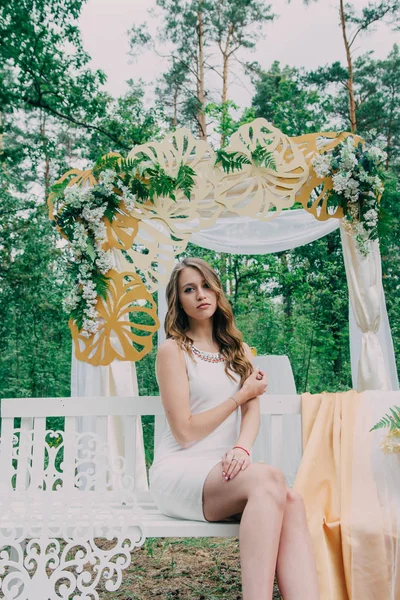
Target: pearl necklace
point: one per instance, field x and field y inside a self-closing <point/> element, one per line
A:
<point x="211" y="357"/>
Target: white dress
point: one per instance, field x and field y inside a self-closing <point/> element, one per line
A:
<point x="177" y="474"/>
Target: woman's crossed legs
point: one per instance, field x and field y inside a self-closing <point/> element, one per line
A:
<point x="273" y="531"/>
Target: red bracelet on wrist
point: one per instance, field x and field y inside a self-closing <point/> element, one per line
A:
<point x="241" y="448"/>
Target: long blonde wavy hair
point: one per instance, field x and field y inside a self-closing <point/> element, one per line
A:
<point x="225" y="333"/>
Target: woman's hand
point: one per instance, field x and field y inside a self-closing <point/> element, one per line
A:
<point x="255" y="384"/>
<point x="233" y="462"/>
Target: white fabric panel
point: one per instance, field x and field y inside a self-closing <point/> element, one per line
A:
<point x="385" y="339"/>
<point x="375" y="497"/>
<point x="364" y="280"/>
<point x="244" y="235"/>
<point x="280" y="381"/>
<point x="116" y="379"/>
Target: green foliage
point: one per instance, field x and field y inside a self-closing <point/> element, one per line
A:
<point x="40" y="73"/>
<point x="35" y="342"/>
<point x="234" y="161"/>
<point x="389" y="421"/>
<point x="185" y="179"/>
<point x="284" y="97"/>
<point x="231" y="161"/>
<point x="262" y="157"/>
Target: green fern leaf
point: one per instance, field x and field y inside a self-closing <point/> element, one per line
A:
<point x="231" y="161"/>
<point x="90" y="251"/>
<point x="101" y="283"/>
<point x="112" y="208"/>
<point x="395" y="421"/>
<point x="262" y="157"/>
<point x="389" y="421"/>
<point x="185" y="179"/>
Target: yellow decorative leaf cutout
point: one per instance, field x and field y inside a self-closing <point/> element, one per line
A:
<point x="255" y="190"/>
<point x="183" y="215"/>
<point x="122" y="230"/>
<point x="129" y="320"/>
<point x="153" y="253"/>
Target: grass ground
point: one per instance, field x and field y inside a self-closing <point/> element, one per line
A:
<point x="184" y="569"/>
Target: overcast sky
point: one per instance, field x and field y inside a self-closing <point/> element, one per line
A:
<point x="301" y="36"/>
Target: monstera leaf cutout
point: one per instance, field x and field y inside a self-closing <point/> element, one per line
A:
<point x="258" y="191"/>
<point x="183" y="215"/>
<point x="129" y="320"/>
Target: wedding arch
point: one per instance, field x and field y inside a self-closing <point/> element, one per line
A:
<point x="127" y="220"/>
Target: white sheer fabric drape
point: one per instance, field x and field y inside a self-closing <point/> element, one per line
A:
<point x="244" y="235"/>
<point x="373" y="354"/>
<point x="116" y="379"/>
<point x="375" y="504"/>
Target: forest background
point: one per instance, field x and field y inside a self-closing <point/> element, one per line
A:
<point x="55" y="113"/>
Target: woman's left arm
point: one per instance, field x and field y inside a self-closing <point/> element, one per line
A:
<point x="250" y="423"/>
<point x="249" y="428"/>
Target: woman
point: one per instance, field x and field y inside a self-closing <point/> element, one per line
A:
<point x="202" y="468"/>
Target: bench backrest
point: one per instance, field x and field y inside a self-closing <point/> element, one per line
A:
<point x="36" y="459"/>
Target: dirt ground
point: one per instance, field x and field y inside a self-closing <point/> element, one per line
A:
<point x="184" y="569"/>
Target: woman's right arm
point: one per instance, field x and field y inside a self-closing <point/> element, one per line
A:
<point x="174" y="389"/>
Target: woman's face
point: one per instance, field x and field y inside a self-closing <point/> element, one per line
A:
<point x="198" y="300"/>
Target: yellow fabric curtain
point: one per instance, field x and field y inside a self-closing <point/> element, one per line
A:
<point x="324" y="481"/>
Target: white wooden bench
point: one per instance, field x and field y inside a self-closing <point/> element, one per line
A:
<point x="87" y="496"/>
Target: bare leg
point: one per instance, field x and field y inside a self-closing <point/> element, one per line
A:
<point x="296" y="569"/>
<point x="259" y="493"/>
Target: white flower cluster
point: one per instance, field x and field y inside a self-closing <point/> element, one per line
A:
<point x="348" y="158"/>
<point x="347" y="175"/>
<point x="76" y="196"/>
<point x="107" y="179"/>
<point x="390" y="444"/>
<point x="105" y="261"/>
<point x="376" y="154"/>
<point x="71" y="301"/>
<point x="79" y="242"/>
<point x="91" y="225"/>
<point x="371" y="218"/>
<point x="128" y="197"/>
<point x="89" y="294"/>
<point x="321" y="164"/>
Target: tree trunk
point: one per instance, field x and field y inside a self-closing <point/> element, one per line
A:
<point x="388" y="142"/>
<point x="46" y="156"/>
<point x="201" y="83"/>
<point x="225" y="74"/>
<point x="350" y="81"/>
<point x="286" y="292"/>
<point x="176" y="108"/>
<point x="225" y="80"/>
<point x="335" y="326"/>
<point x="3" y="164"/>
<point x="224" y="91"/>
<point x="390" y="132"/>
